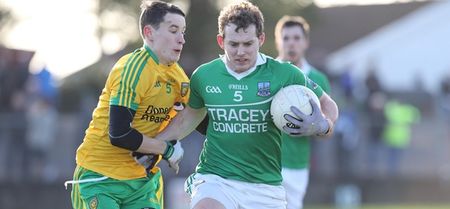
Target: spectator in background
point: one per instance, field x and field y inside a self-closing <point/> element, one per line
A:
<point x="445" y="85"/>
<point x="292" y="41"/>
<point x="397" y="133"/>
<point x="375" y="129"/>
<point x="13" y="127"/>
<point x="42" y="122"/>
<point x="372" y="82"/>
<point x="347" y="84"/>
<point x="375" y="120"/>
<point x="444" y="102"/>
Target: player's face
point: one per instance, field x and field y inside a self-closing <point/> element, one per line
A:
<point x="292" y="44"/>
<point x="241" y="47"/>
<point x="168" y="39"/>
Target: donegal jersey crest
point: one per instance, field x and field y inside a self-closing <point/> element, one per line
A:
<point x="184" y="88"/>
<point x="93" y="203"/>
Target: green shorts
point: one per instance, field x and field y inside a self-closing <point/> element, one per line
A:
<point x="110" y="193"/>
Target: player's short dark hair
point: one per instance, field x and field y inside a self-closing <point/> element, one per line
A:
<point x="290" y="21"/>
<point x="153" y="13"/>
<point x="241" y="14"/>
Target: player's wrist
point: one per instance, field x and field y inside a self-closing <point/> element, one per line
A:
<point x="173" y="154"/>
<point x="326" y="128"/>
<point x="168" y="152"/>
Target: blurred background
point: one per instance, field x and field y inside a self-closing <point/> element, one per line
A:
<point x="388" y="62"/>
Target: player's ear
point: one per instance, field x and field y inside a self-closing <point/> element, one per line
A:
<point x="148" y="32"/>
<point x="220" y="40"/>
<point x="261" y="39"/>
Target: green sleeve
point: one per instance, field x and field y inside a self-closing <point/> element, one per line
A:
<point x="299" y="78"/>
<point x="320" y="79"/>
<point x="314" y="87"/>
<point x="324" y="83"/>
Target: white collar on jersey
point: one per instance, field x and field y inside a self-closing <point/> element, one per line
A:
<point x="305" y="68"/>
<point x="260" y="59"/>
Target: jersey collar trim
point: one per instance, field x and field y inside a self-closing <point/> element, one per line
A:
<point x="306" y="67"/>
<point x="152" y="54"/>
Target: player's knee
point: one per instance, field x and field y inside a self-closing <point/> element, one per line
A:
<point x="209" y="203"/>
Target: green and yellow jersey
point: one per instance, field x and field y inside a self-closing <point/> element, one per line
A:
<point x="139" y="82"/>
<point x="242" y="142"/>
<point x="296" y="151"/>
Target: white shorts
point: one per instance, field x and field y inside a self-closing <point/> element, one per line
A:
<point x="295" y="182"/>
<point x="234" y="194"/>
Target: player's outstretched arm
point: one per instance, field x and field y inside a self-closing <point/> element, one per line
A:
<point x="143" y="149"/>
<point x="166" y="141"/>
<point x="180" y="126"/>
<point x="183" y="124"/>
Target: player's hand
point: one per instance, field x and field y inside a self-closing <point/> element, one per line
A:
<point x="146" y="160"/>
<point x="173" y="154"/>
<point x="307" y="125"/>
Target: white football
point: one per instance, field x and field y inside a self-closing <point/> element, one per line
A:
<point x="293" y="95"/>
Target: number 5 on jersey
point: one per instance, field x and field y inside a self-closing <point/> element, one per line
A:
<point x="237" y="96"/>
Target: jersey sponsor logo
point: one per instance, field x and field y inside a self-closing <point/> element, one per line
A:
<point x="239" y="120"/>
<point x="213" y="90"/>
<point x="156" y="114"/>
<point x="241" y="115"/>
<point x="263" y="89"/>
<point x="239" y="127"/>
<point x="184" y="88"/>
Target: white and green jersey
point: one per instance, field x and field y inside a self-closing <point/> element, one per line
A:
<point x="242" y="143"/>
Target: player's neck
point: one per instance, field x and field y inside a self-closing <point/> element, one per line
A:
<point x="299" y="63"/>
